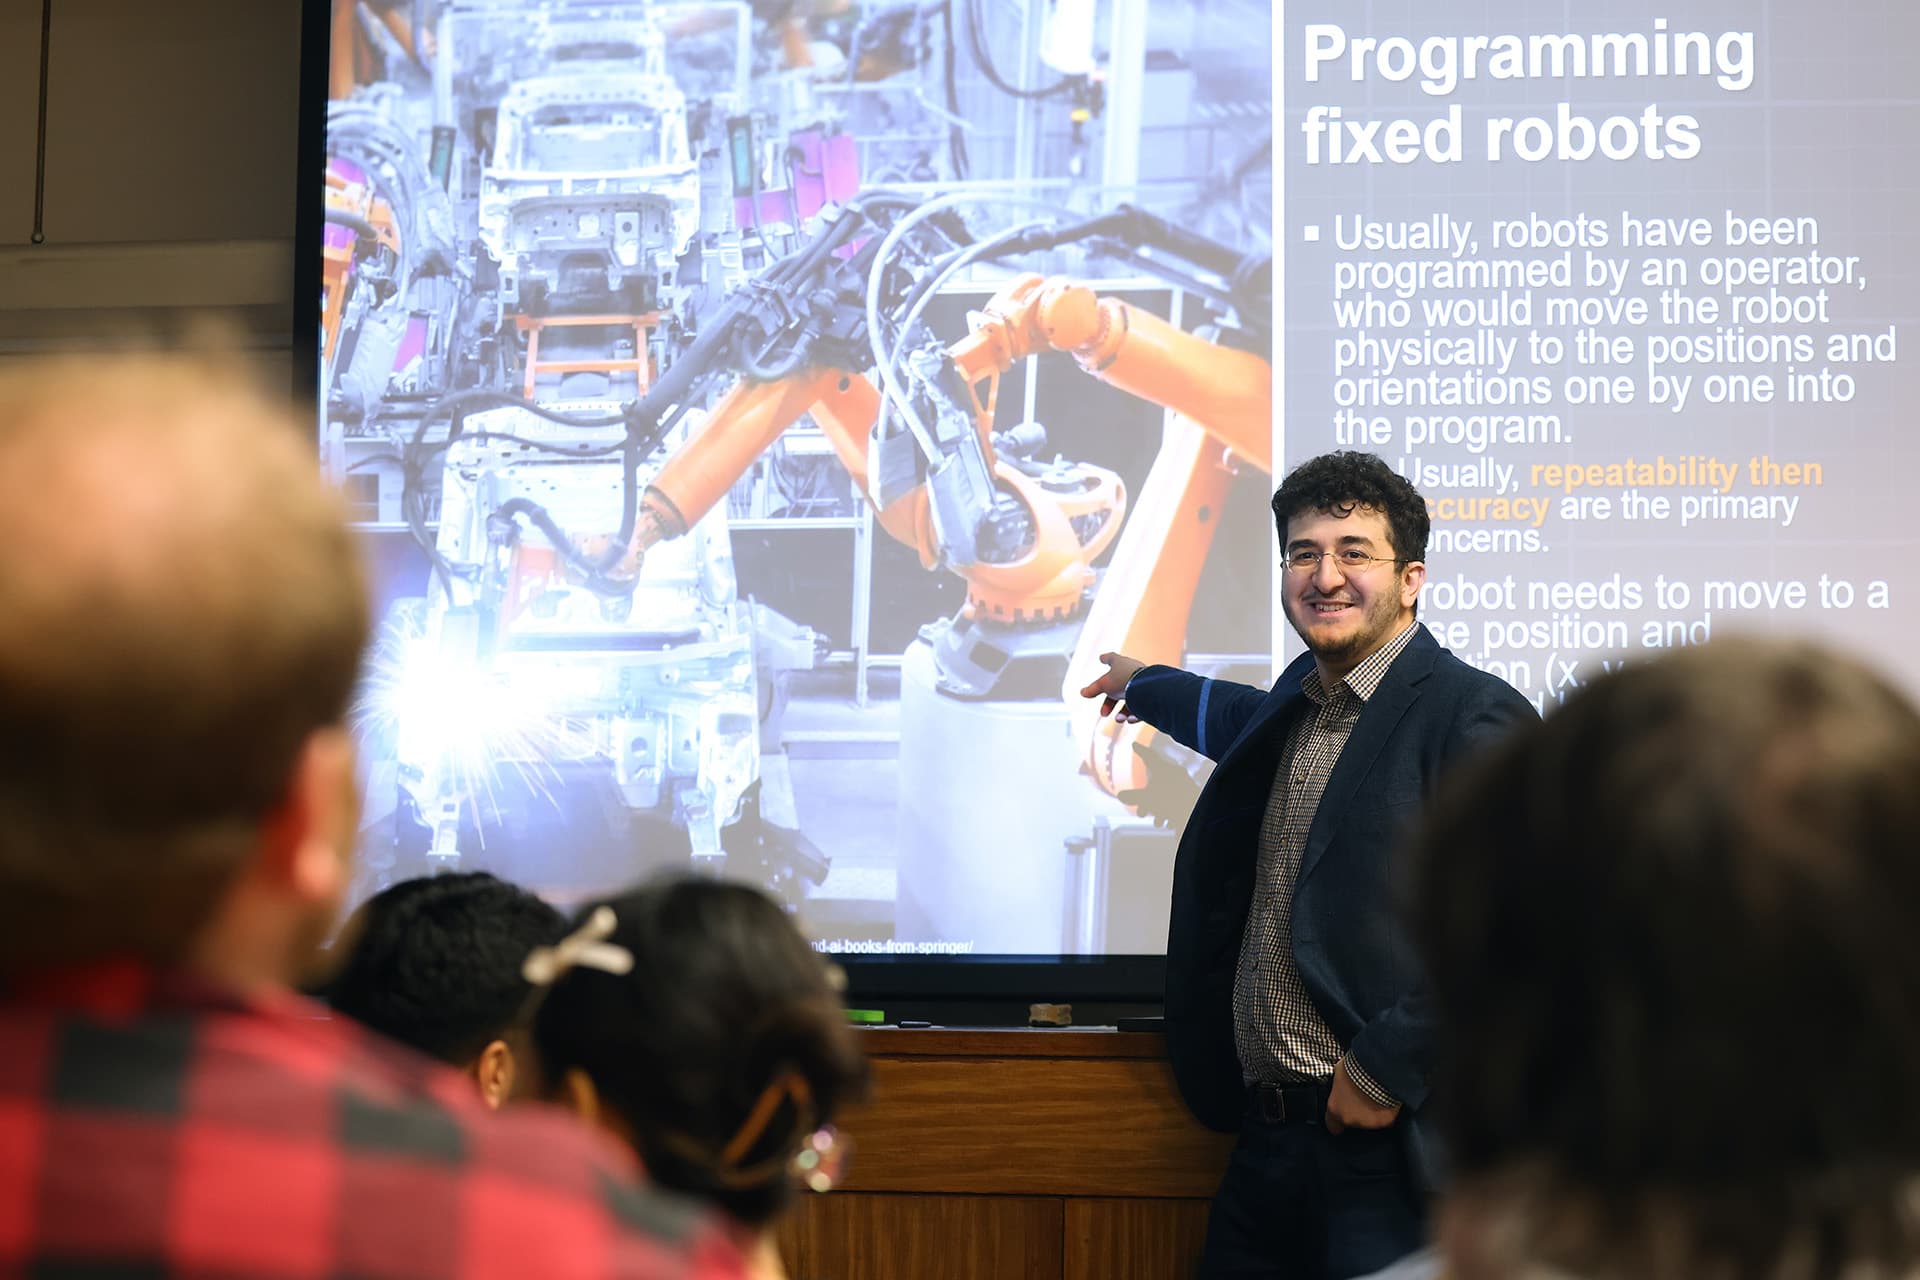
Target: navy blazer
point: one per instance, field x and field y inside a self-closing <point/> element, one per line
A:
<point x="1349" y="943"/>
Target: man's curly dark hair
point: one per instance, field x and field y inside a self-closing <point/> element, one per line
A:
<point x="1337" y="483"/>
<point x="436" y="962"/>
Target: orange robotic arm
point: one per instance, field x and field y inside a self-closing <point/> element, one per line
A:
<point x="1222" y="417"/>
<point x="743" y="425"/>
<point x="1228" y="393"/>
<point x="1071" y="522"/>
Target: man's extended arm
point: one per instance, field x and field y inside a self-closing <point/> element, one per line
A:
<point x="1206" y="715"/>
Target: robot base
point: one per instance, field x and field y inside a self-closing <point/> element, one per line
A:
<point x="990" y="796"/>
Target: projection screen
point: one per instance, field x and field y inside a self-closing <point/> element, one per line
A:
<point x="760" y="417"/>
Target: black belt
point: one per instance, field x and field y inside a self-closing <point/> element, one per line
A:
<point x="1287" y="1103"/>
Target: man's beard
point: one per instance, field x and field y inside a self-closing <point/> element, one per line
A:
<point x="1376" y="626"/>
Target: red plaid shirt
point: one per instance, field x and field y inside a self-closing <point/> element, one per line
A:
<point x="159" y="1127"/>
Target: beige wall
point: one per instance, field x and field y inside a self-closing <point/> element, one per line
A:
<point x="171" y="140"/>
<point x="19" y="96"/>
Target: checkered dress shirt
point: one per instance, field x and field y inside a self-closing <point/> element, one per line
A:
<point x="157" y="1127"/>
<point x="1280" y="1035"/>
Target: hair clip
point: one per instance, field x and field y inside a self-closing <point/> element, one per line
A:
<point x="586" y="948"/>
<point x="725" y="1165"/>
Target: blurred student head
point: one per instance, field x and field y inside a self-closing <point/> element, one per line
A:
<point x="1674" y="936"/>
<point x="435" y="963"/>
<point x="691" y="1019"/>
<point x="181" y="620"/>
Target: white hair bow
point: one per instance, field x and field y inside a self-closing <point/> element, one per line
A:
<point x="586" y="947"/>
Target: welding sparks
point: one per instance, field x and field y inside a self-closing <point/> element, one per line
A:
<point x="457" y="725"/>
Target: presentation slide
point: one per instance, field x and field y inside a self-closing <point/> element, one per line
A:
<point x="1622" y="288"/>
<point x="761" y="416"/>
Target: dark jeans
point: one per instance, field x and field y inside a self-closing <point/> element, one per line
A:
<point x="1299" y="1203"/>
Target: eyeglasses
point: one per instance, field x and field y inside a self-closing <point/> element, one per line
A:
<point x="1348" y="560"/>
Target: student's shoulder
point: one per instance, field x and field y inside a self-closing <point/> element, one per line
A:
<point x="552" y="1158"/>
<point x="567" y="1194"/>
<point x="569" y="1197"/>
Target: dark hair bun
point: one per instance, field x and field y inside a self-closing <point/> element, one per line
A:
<point x="725" y="998"/>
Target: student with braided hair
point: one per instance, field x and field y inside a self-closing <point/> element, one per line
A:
<point x="691" y="1020"/>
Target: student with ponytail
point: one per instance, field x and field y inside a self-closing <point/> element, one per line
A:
<point x="690" y="1019"/>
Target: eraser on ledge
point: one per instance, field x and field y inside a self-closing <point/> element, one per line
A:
<point x="1049" y="1015"/>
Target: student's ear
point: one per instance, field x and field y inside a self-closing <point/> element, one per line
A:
<point x="309" y="837"/>
<point x="493" y="1071"/>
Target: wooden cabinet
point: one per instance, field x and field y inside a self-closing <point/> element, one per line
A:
<point x="1005" y="1155"/>
<point x="864" y="1236"/>
<point x="1132" y="1237"/>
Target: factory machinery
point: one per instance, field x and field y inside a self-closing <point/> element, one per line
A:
<point x="590" y="269"/>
